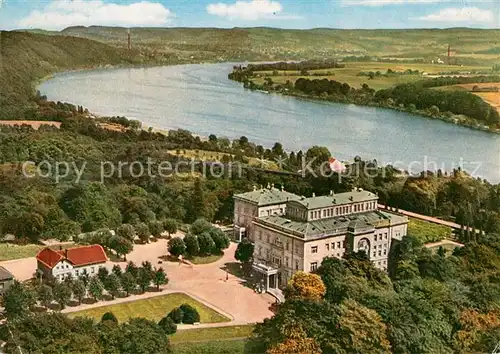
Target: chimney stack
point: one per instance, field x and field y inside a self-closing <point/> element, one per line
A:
<point x="129" y="42"/>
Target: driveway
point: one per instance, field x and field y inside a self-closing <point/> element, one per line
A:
<point x="206" y="283"/>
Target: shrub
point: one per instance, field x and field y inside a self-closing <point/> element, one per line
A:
<point x="109" y="316"/>
<point x="176" y="315"/>
<point x="191" y="315"/>
<point x="192" y="246"/>
<point x="176" y="246"/>
<point x="168" y="325"/>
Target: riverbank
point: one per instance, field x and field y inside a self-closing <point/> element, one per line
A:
<point x="453" y="119"/>
<point x="403" y="91"/>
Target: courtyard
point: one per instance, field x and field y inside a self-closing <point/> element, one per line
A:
<point x="208" y="284"/>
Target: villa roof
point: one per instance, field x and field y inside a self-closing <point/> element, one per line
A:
<point x="326" y="227"/>
<point x="267" y="196"/>
<point x="77" y="256"/>
<point x="337" y="199"/>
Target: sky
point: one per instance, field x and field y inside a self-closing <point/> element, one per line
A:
<point x="301" y="14"/>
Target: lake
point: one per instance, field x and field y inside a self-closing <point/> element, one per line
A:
<point x="200" y="98"/>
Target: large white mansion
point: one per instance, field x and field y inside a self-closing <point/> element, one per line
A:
<point x="293" y="233"/>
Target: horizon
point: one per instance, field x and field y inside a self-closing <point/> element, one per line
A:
<point x="262" y="27"/>
<point x="56" y="15"/>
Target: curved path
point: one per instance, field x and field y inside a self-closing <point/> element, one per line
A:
<point x="206" y="283"/>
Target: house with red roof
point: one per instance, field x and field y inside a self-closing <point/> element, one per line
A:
<point x="59" y="264"/>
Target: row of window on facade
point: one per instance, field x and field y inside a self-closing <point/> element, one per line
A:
<point x="379" y="237"/>
<point x="276" y="260"/>
<point x="343" y="210"/>
<point x="339" y="244"/>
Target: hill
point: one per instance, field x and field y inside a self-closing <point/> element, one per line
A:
<point x="470" y="46"/>
<point x="28" y="57"/>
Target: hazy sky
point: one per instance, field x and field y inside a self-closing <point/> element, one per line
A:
<point x="58" y="14"/>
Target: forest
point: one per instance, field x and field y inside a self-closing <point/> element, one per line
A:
<point x="56" y="207"/>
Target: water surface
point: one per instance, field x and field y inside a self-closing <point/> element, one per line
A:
<point x="201" y="99"/>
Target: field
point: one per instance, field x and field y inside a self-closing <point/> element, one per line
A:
<point x="428" y="232"/>
<point x="350" y="73"/>
<point x="154" y="308"/>
<point x="10" y="251"/>
<point x="492" y="98"/>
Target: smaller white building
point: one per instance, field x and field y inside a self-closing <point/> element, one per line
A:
<point x="71" y="262"/>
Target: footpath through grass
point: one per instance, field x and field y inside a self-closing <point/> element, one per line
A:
<point x="153" y="308"/>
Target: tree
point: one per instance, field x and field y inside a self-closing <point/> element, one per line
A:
<point x="121" y="246"/>
<point x="79" y="290"/>
<point x="143" y="232"/>
<point x="170" y="226"/>
<point x="176" y="247"/>
<point x="117" y="270"/>
<point x="45" y="295"/>
<point x="168" y="325"/>
<point x="112" y="284"/>
<point x="220" y="239"/>
<point x="132" y="269"/>
<point x="198" y="207"/>
<point x="317" y="155"/>
<point x="102" y="274"/>
<point x="176" y="315"/>
<point x="141" y="336"/>
<point x="192" y="246"/>
<point x="355" y="323"/>
<point x="305" y="286"/>
<point x="206" y="243"/>
<point x="128" y="283"/>
<point x="156" y="228"/>
<point x="160" y="278"/>
<point x="296" y="342"/>
<point x="85" y="277"/>
<point x="109" y="316"/>
<point x="96" y="288"/>
<point x="200" y="226"/>
<point x="126" y="231"/>
<point x="244" y="251"/>
<point x="144" y="278"/>
<point x="91" y="205"/>
<point x="62" y="294"/>
<point x="190" y="314"/>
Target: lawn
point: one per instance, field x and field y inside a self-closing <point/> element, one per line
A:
<point x="428" y="232"/>
<point x="212" y="334"/>
<point x="153" y="308"/>
<point x="206" y="259"/>
<point x="350" y="73"/>
<point x="10" y="251"/>
<point x="239" y="346"/>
